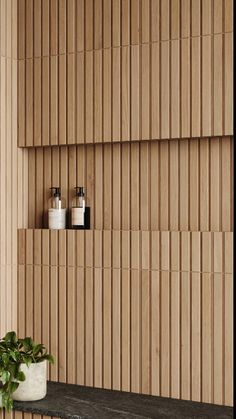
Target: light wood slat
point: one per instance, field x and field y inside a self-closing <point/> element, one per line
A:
<point x="125" y="22"/>
<point x="62" y="26"/>
<point x="175" y="91"/>
<point x="71" y="354"/>
<point x="206" y="115"/>
<point x="53" y="25"/>
<point x="125" y="93"/>
<point x="185" y="18"/>
<point x="45" y="27"/>
<point x="134" y="186"/>
<point x="45" y="101"/>
<point x="165" y="334"/>
<point x="164" y="19"/>
<point x="107" y="329"/>
<point x="29" y="298"/>
<point x="116" y="186"/>
<point x="80" y="18"/>
<point x="154" y="187"/>
<point x="144" y="188"/>
<point x="196" y="360"/>
<point x="228" y="252"/>
<point x="135" y="331"/>
<point x="116" y="22"/>
<point x="107" y="23"/>
<point x="21" y="297"/>
<point x="165" y="90"/>
<point x="37" y="28"/>
<point x="218" y="252"/>
<point x="116" y="249"/>
<point x="227" y="84"/>
<point x="196" y="18"/>
<point x="204" y="184"/>
<point x="194" y="184"/>
<point x="37" y="247"/>
<point x="228" y="339"/>
<point x="135" y="21"/>
<point x="164" y="182"/>
<point x="185" y="88"/>
<point x="184" y="186"/>
<point x="217" y="16"/>
<point x="71" y="99"/>
<point x="125" y="249"/>
<point x="185" y="335"/>
<point x="106" y="85"/>
<point x="207" y="244"/>
<point x="89" y="340"/>
<point x="125" y="330"/>
<point x="98" y="327"/>
<point x="29" y="28"/>
<point x="145" y="92"/>
<point x="98" y="110"/>
<point x="218" y="85"/>
<point x="71" y="26"/>
<point x="62" y="99"/>
<point x="89" y="111"/>
<point x="107" y="249"/>
<point x="89" y="16"/>
<point x="98" y="24"/>
<point x="80" y="63"/>
<point x="29" y="101"/>
<point x="228" y="16"/>
<point x="80" y="335"/>
<point x="99" y="187"/>
<point x="116" y="327"/>
<point x="206" y="17"/>
<point x="174" y="184"/>
<point x="62" y="327"/>
<point x="165" y="250"/>
<point x="116" y="97"/>
<point x="195" y="87"/>
<point x="53" y="100"/>
<point x="107" y="185"/>
<point x="215" y="185"/>
<point x="218" y="338"/>
<point x="175" y="334"/>
<point x="155" y="91"/>
<point x="146" y="362"/>
<point x="125" y="186"/>
<point x="207" y="338"/>
<point x="21" y="103"/>
<point x="155" y="333"/>
<point x="37" y="303"/>
<point x="54" y="319"/>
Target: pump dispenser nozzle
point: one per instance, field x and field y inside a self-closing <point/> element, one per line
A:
<point x="57" y="190"/>
<point x="79" y="191"/>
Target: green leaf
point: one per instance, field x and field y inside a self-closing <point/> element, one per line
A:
<point x="38" y="349"/>
<point x="47" y="357"/>
<point x="5" y="358"/>
<point x="28" y="344"/>
<point x="5" y="376"/>
<point x="10" y="337"/>
<point x="13" y="386"/>
<point x="20" y="376"/>
<point x="27" y="360"/>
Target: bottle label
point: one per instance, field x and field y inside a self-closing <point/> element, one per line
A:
<point x="57" y="218"/>
<point x="77" y="216"/>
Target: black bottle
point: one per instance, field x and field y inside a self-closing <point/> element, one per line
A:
<point x="80" y="214"/>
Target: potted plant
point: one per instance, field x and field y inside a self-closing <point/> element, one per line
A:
<point x="23" y="372"/>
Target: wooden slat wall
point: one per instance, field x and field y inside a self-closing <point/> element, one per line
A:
<point x="21" y="415"/>
<point x="124" y="70"/>
<point x="160" y="185"/>
<point x="157" y="320"/>
<point x="13" y="168"/>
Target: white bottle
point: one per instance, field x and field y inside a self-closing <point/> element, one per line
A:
<point x="56" y="210"/>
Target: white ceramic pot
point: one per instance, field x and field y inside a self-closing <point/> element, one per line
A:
<point x="35" y="385"/>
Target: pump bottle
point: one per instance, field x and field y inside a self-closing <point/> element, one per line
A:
<point x="79" y="211"/>
<point x="56" y="210"/>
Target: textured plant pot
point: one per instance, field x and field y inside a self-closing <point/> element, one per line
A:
<point x="35" y="385"/>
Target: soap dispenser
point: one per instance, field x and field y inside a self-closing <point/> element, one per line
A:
<point x="56" y="210"/>
<point x="80" y="214"/>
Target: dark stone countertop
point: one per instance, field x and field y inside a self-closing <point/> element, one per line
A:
<point x="79" y="402"/>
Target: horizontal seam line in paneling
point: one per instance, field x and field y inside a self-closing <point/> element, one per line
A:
<point x="118" y="46"/>
<point x="121" y="268"/>
<point x="231" y="134"/>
